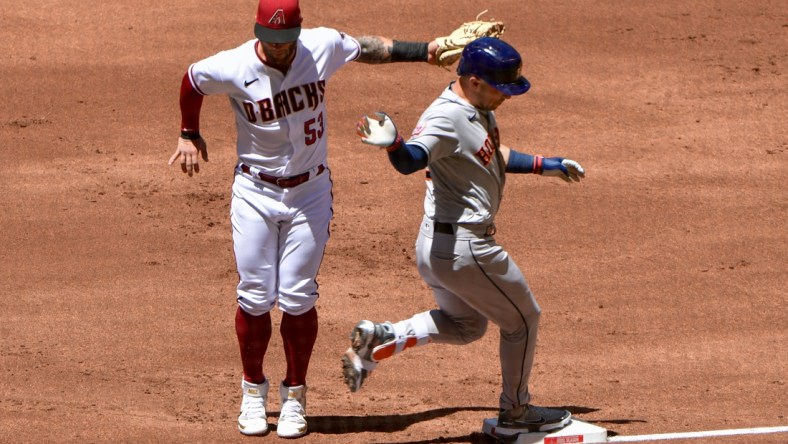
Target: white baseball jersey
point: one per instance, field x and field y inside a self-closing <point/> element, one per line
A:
<point x="279" y="234"/>
<point x="466" y="167"/>
<point x="280" y="119"/>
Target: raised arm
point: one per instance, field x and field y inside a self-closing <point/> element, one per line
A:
<point x="378" y="49"/>
<point x="442" y="51"/>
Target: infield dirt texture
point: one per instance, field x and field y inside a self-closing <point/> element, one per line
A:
<point x="662" y="276"/>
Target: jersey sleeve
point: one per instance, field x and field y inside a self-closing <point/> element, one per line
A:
<point x="435" y="134"/>
<point x="345" y="48"/>
<point x="209" y="75"/>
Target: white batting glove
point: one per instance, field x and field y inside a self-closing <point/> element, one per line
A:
<point x="379" y="131"/>
<point x="566" y="169"/>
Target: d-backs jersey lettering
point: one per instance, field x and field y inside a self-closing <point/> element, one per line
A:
<point x="280" y="118"/>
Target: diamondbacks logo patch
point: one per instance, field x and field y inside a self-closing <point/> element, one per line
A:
<point x="278" y="18"/>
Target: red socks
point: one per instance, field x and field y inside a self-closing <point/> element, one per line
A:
<point x="299" y="334"/>
<point x="254" y="333"/>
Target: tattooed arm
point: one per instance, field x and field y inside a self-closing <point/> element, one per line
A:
<point x="377" y="49"/>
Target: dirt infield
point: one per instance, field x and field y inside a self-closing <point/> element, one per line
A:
<point x="662" y="277"/>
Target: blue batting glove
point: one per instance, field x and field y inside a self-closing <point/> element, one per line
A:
<point x="566" y="169"/>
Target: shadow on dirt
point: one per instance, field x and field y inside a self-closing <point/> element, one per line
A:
<point x="337" y="425"/>
<point x="599" y="422"/>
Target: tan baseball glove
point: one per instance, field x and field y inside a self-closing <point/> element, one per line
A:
<point x="450" y="47"/>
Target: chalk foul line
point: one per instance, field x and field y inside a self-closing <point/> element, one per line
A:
<point x="707" y="434"/>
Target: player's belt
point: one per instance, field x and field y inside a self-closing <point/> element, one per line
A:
<point x="442" y="227"/>
<point x="283" y="182"/>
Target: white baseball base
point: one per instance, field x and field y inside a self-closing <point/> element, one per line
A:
<point x="575" y="432"/>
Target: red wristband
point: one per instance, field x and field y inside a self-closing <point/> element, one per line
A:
<point x="395" y="145"/>
<point x="538" y="164"/>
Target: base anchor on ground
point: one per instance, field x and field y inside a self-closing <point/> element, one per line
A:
<point x="575" y="432"/>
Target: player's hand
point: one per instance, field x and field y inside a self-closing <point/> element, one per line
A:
<point x="378" y="130"/>
<point x="566" y="169"/>
<point x="189" y="151"/>
<point x="432" y="53"/>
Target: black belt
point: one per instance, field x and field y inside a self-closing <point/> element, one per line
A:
<point x="283" y="182"/>
<point x="444" y="228"/>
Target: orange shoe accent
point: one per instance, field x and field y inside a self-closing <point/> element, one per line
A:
<point x="387" y="350"/>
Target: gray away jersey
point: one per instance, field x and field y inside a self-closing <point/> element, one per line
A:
<point x="466" y="169"/>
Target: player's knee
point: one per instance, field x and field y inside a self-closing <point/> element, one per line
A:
<point x="253" y="306"/>
<point x="521" y="328"/>
<point x="473" y="331"/>
<point x="533" y="317"/>
<point x="296" y="310"/>
<point x="297" y="306"/>
<point x="254" y="310"/>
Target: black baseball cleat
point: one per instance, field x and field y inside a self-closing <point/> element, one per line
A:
<point x="533" y="418"/>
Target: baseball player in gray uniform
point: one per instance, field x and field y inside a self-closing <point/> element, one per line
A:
<point x="473" y="279"/>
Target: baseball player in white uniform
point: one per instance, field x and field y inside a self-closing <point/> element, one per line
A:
<point x="281" y="196"/>
<point x="473" y="279"/>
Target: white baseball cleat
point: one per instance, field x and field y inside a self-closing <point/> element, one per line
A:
<point x="369" y="343"/>
<point x="292" y="419"/>
<point x="252" y="420"/>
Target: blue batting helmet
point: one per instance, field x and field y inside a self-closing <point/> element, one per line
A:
<point x="496" y="62"/>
